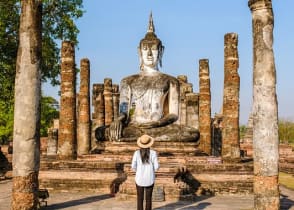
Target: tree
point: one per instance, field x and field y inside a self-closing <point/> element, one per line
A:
<point x="6" y="123"/>
<point x="57" y="24"/>
<point x="26" y="132"/>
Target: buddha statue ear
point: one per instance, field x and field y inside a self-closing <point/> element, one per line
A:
<point x="160" y="54"/>
<point x="140" y="58"/>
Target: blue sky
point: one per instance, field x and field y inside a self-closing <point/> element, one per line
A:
<point x="110" y="31"/>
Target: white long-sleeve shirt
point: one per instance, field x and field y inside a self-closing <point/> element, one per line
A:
<point x="145" y="173"/>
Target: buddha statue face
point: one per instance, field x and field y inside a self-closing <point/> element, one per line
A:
<point x="149" y="54"/>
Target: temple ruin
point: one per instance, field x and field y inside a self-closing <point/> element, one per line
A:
<point x="199" y="151"/>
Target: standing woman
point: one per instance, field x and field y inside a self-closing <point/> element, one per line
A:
<point x="145" y="163"/>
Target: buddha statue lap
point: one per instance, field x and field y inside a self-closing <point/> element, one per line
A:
<point x="149" y="101"/>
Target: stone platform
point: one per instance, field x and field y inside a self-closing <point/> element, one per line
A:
<point x="182" y="174"/>
<point x="163" y="148"/>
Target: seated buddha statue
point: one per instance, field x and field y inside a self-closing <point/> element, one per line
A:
<point x="149" y="100"/>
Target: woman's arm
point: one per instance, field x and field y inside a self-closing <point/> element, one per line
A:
<point x="134" y="162"/>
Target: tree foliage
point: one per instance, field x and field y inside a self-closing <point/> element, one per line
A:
<point x="57" y="24"/>
<point x="49" y="112"/>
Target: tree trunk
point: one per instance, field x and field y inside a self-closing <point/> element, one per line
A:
<point x="265" y="114"/>
<point x="26" y="138"/>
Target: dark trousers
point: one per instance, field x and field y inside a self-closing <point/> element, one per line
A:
<point x="148" y="197"/>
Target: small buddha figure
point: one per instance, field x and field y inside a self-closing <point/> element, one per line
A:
<point x="149" y="101"/>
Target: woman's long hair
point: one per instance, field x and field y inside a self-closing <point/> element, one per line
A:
<point x="145" y="154"/>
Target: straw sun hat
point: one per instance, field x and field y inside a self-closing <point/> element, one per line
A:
<point x="145" y="141"/>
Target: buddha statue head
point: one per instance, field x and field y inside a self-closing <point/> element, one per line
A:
<point x="150" y="50"/>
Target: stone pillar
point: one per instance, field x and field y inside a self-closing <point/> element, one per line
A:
<point x="265" y="108"/>
<point x="192" y="110"/>
<point x="115" y="98"/>
<point x="84" y="109"/>
<point x="52" y="141"/>
<point x="182" y="112"/>
<point x="216" y="139"/>
<point x="67" y="116"/>
<point x="108" y="101"/>
<point x="230" y="132"/>
<point x="249" y="131"/>
<point x="99" y="114"/>
<point x="204" y="107"/>
<point x="99" y="107"/>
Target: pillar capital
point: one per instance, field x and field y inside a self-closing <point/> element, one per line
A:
<point x="259" y="4"/>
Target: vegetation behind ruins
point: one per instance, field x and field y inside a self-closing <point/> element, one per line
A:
<point x="57" y="24"/>
<point x="286" y="131"/>
<point x="287" y="180"/>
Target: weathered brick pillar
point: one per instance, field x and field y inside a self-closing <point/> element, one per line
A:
<point x="99" y="105"/>
<point x="192" y="110"/>
<point x="99" y="111"/>
<point x="183" y="108"/>
<point x="230" y="132"/>
<point x="52" y="141"/>
<point x="265" y="108"/>
<point x="84" y="109"/>
<point x="249" y="131"/>
<point x="108" y="101"/>
<point x="67" y="115"/>
<point x="204" y="107"/>
<point x="115" y="98"/>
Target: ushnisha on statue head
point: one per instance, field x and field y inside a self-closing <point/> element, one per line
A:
<point x="150" y="50"/>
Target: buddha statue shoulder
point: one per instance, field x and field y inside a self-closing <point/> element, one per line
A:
<point x="150" y="99"/>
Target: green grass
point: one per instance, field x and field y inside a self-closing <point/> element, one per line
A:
<point x="286" y="180"/>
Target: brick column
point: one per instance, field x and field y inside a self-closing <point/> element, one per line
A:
<point x="115" y="98"/>
<point x="183" y="108"/>
<point x="99" y="111"/>
<point x="204" y="107"/>
<point x="67" y="115"/>
<point x="108" y="101"/>
<point x="84" y="109"/>
<point x="265" y="108"/>
<point x="230" y="132"/>
<point x="52" y="141"/>
<point x="192" y="110"/>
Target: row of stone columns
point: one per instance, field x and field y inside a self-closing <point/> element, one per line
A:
<point x="230" y="111"/>
<point x="73" y="139"/>
<point x="188" y="113"/>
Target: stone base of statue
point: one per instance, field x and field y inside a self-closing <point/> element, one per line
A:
<point x="171" y="133"/>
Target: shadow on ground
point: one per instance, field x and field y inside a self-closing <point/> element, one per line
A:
<point x="286" y="203"/>
<point x="191" y="186"/>
<point x="185" y="205"/>
<point x="77" y="202"/>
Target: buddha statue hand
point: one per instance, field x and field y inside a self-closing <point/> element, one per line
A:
<point x="116" y="127"/>
<point x="166" y="120"/>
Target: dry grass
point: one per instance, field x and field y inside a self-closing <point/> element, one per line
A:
<point x="286" y="180"/>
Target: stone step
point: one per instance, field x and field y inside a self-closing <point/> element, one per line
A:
<point x="181" y="176"/>
<point x="162" y="147"/>
<point x="96" y="181"/>
<point x="81" y="165"/>
<point x="190" y="185"/>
